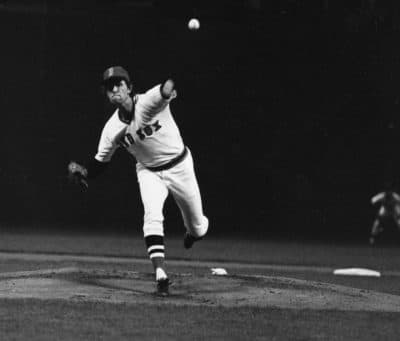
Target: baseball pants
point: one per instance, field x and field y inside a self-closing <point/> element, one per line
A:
<point x="181" y="182"/>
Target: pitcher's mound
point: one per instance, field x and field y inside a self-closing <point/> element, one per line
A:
<point x="188" y="289"/>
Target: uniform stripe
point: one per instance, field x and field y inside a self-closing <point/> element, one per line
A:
<point x="155" y="251"/>
<point x="155" y="246"/>
<point x="151" y="248"/>
<point x="157" y="254"/>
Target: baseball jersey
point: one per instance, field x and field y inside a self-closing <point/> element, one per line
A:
<point x="152" y="136"/>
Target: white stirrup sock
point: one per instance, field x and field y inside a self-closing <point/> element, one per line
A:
<point x="160" y="274"/>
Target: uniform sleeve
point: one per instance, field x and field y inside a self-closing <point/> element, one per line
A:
<point x="106" y="148"/>
<point x="154" y="102"/>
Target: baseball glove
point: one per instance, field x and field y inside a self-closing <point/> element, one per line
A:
<point x="77" y="174"/>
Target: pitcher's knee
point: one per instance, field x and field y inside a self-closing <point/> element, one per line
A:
<point x="199" y="230"/>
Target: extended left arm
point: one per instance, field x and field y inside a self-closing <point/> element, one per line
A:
<point x="157" y="98"/>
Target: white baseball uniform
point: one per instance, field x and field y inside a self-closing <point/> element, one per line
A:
<point x="153" y="138"/>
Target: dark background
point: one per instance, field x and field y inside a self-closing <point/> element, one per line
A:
<point x="291" y="111"/>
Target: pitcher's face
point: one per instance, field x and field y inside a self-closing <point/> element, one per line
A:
<point x="117" y="91"/>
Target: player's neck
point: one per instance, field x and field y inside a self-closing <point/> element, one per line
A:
<point x="127" y="105"/>
<point x="126" y="110"/>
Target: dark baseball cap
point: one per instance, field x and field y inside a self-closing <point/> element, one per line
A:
<point x="116" y="72"/>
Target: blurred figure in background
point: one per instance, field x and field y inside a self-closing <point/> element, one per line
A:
<point x="388" y="203"/>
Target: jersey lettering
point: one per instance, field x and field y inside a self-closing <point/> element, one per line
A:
<point x="156" y="125"/>
<point x="148" y="130"/>
<point x="122" y="143"/>
<point x="129" y="137"/>
<point x="126" y="141"/>
<point x="140" y="133"/>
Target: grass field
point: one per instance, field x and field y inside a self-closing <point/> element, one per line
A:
<point x="60" y="319"/>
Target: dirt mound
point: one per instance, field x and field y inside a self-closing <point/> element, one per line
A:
<point x="187" y="289"/>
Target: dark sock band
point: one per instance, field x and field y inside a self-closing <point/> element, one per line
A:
<point x="155" y="246"/>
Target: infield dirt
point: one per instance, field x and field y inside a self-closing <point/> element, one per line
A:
<point x="129" y="287"/>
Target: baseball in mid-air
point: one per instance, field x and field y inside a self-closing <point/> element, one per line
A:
<point x="194" y="24"/>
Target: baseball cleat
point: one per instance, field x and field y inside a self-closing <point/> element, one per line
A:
<point x="163" y="287"/>
<point x="189" y="240"/>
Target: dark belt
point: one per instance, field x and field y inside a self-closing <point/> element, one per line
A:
<point x="171" y="163"/>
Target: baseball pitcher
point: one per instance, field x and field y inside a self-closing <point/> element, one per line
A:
<point x="144" y="126"/>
